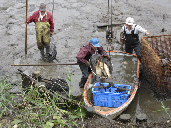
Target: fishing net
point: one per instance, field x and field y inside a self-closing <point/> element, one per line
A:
<point x="156" y="62"/>
<point x="52" y="84"/>
<point x="52" y="53"/>
<point x="57" y="85"/>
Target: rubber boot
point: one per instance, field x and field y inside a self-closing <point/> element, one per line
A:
<point x="82" y="83"/>
<point x="42" y="52"/>
<point x="47" y="52"/>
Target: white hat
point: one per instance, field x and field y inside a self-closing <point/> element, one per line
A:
<point x="129" y="21"/>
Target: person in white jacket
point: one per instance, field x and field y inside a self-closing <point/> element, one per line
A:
<point x="129" y="36"/>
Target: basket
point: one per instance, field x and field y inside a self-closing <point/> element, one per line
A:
<point x="153" y="50"/>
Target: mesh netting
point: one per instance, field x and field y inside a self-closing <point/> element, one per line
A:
<point x="153" y="50"/>
<point x="57" y="85"/>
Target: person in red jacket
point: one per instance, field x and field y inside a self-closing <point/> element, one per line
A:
<point x="44" y="28"/>
<point x="84" y="55"/>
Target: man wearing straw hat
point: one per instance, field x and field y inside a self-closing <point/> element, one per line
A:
<point x="129" y="36"/>
<point x="44" y="28"/>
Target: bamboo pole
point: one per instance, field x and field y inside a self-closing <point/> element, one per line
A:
<point x="48" y="64"/>
<point x="26" y="28"/>
<point x="52" y="8"/>
<point x="108" y="12"/>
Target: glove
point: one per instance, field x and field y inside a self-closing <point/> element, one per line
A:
<point x="87" y="64"/>
<point x="108" y="57"/>
<point x="26" y="22"/>
<point x="51" y="33"/>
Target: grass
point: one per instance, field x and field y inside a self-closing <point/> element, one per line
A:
<point x="6" y="99"/>
<point x="40" y="109"/>
<point x="165" y="109"/>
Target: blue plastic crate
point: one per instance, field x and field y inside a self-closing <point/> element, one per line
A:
<point x="99" y="89"/>
<point x="109" y="97"/>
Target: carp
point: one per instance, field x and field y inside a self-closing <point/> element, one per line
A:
<point x="102" y="70"/>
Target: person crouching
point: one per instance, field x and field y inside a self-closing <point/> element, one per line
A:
<point x="84" y="55"/>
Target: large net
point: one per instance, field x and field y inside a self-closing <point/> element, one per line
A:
<point x="155" y="51"/>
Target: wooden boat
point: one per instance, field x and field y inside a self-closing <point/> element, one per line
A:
<point x="110" y="112"/>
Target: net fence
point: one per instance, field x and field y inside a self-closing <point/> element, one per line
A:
<point x="156" y="50"/>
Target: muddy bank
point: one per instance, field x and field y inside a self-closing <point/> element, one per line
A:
<point x="76" y="23"/>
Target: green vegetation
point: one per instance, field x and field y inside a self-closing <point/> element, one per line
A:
<point x="40" y="109"/>
<point x="5" y="98"/>
<point x="166" y="110"/>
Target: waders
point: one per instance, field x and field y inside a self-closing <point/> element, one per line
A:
<point x="43" y="36"/>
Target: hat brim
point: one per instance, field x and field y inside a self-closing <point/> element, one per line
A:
<point x="129" y="23"/>
<point x="96" y="45"/>
<point x="43" y="10"/>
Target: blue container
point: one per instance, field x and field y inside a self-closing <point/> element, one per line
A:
<point x="101" y="89"/>
<point x="110" y="97"/>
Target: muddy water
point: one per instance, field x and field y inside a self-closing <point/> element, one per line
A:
<point x="124" y="69"/>
<point x="76" y="23"/>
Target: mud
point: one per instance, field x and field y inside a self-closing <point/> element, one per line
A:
<point x="76" y="23"/>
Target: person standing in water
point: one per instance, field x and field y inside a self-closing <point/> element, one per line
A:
<point x="129" y="36"/>
<point x="44" y="28"/>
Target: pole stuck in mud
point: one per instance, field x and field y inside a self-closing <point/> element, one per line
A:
<point x="26" y="28"/>
<point x="52" y="8"/>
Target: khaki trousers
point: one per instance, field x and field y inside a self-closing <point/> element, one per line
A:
<point x="42" y="34"/>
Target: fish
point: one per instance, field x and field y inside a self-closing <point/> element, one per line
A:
<point x="102" y="70"/>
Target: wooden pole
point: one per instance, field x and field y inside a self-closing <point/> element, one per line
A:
<point x="52" y="8"/>
<point x="48" y="64"/>
<point x="26" y="28"/>
<point x="111" y="16"/>
<point x="108" y="12"/>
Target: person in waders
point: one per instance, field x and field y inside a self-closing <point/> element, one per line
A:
<point x="84" y="55"/>
<point x="129" y="36"/>
<point x="44" y="28"/>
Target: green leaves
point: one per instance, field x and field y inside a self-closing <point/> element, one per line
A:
<point x="166" y="110"/>
<point x="6" y="99"/>
<point x="80" y="112"/>
<point x="16" y="121"/>
<point x="49" y="124"/>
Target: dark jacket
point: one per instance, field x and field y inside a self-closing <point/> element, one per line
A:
<point x="86" y="52"/>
